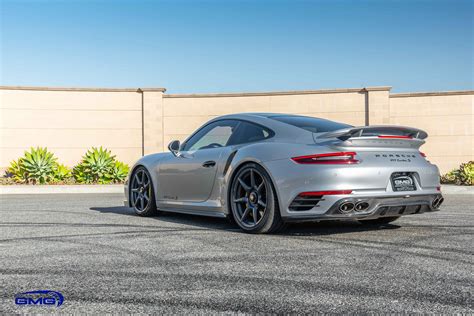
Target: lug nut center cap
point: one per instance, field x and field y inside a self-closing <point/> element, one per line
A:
<point x="253" y="197"/>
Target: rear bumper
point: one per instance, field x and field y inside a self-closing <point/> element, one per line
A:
<point x="379" y="206"/>
<point x="369" y="181"/>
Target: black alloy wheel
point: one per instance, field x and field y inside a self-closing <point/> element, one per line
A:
<point x="253" y="201"/>
<point x="142" y="196"/>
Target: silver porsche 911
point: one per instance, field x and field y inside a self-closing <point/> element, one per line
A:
<point x="264" y="170"/>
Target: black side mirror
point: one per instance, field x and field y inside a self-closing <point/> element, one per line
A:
<point x="174" y="147"/>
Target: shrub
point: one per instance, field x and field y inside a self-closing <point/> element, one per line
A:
<point x="39" y="165"/>
<point x="464" y="175"/>
<point x="36" y="166"/>
<point x="16" y="172"/>
<point x="119" y="172"/>
<point x="99" y="166"/>
<point x="61" y="173"/>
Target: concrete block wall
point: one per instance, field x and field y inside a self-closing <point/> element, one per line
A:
<point x="446" y="116"/>
<point x="184" y="113"/>
<point x="68" y="121"/>
<point x="133" y="122"/>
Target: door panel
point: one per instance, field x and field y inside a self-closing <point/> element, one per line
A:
<point x="189" y="177"/>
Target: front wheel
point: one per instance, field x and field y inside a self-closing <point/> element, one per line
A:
<point x="142" y="195"/>
<point x="379" y="221"/>
<point x="253" y="201"/>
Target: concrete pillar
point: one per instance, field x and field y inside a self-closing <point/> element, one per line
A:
<point x="152" y="120"/>
<point x="378" y="105"/>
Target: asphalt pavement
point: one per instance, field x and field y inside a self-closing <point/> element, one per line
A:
<point x="103" y="258"/>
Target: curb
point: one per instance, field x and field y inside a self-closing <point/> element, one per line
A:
<point x="61" y="189"/>
<point x="118" y="189"/>
<point x="457" y="189"/>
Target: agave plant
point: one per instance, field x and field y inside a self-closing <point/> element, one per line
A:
<point x="36" y="166"/>
<point x="464" y="175"/>
<point x="119" y="172"/>
<point x="449" y="177"/>
<point x="16" y="171"/>
<point x="61" y="173"/>
<point x="95" y="167"/>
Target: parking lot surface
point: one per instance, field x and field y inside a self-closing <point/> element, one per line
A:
<point x="103" y="258"/>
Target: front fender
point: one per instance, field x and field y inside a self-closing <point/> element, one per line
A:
<point x="151" y="163"/>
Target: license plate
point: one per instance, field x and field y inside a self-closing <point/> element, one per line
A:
<point x="403" y="181"/>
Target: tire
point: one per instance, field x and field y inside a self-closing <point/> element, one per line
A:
<point x="379" y="221"/>
<point x="142" y="194"/>
<point x="253" y="201"/>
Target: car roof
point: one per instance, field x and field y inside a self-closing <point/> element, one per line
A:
<point x="258" y="114"/>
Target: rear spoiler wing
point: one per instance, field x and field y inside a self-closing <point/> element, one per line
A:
<point x="379" y="136"/>
<point x="379" y="131"/>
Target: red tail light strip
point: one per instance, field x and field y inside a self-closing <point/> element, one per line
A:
<point x="343" y="158"/>
<point x="317" y="193"/>
<point x="395" y="136"/>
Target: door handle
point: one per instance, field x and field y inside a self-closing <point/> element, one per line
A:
<point x="209" y="164"/>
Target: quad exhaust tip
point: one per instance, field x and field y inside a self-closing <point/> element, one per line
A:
<point x="361" y="206"/>
<point x="346" y="207"/>
<point x="437" y="202"/>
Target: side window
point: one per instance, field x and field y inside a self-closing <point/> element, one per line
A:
<point x="214" y="135"/>
<point x="249" y="132"/>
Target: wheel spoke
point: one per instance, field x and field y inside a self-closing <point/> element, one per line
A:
<point x="143" y="177"/>
<point x="260" y="186"/>
<point x="254" y="214"/>
<point x="135" y="190"/>
<point x="137" y="179"/>
<point x="246" y="212"/>
<point x="244" y="185"/>
<point x="135" y="200"/>
<point x="252" y="179"/>
<point x="241" y="200"/>
<point x="261" y="203"/>
<point x="142" y="204"/>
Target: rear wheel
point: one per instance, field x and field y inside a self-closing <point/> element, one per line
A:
<point x="253" y="201"/>
<point x="142" y="196"/>
<point x="379" y="221"/>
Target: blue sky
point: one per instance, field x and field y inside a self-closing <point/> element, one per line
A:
<point x="231" y="46"/>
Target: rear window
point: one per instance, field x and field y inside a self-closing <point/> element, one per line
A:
<point x="312" y="124"/>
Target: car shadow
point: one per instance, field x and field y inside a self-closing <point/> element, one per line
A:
<point x="294" y="229"/>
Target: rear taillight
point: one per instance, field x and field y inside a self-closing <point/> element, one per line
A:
<point x="340" y="158"/>
<point x="422" y="154"/>
<point x="395" y="136"/>
<point x="321" y="193"/>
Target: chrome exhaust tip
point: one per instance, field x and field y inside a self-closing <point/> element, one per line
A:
<point x="434" y="202"/>
<point x="361" y="206"/>
<point x="346" y="207"/>
<point x="437" y="202"/>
